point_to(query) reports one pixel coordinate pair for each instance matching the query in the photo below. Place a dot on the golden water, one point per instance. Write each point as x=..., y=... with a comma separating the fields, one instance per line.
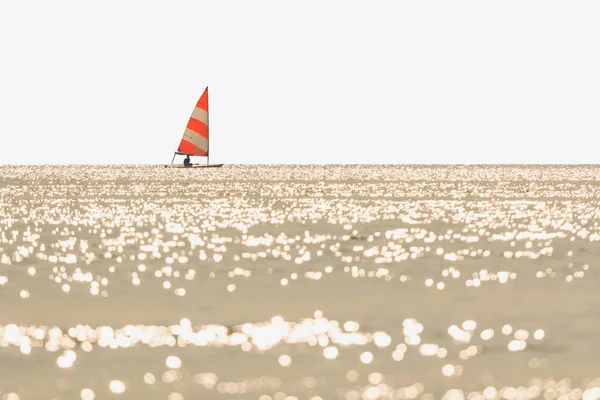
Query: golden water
x=299, y=282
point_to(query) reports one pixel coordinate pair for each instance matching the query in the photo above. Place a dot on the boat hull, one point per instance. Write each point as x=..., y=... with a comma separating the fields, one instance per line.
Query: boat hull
x=194, y=166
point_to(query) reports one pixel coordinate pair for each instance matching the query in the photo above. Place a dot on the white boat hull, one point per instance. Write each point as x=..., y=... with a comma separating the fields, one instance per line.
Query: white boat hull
x=194, y=166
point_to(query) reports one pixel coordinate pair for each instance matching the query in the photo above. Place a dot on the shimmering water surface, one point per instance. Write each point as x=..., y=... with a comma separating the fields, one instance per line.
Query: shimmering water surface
x=300, y=282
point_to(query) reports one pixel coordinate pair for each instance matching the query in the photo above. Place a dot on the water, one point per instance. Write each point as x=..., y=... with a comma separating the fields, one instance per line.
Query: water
x=299, y=282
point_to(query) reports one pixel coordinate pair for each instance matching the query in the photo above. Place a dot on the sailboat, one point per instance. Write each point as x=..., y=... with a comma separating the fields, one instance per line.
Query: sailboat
x=195, y=140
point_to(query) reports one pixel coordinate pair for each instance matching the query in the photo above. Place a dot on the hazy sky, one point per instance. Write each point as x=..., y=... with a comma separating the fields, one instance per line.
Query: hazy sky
x=301, y=81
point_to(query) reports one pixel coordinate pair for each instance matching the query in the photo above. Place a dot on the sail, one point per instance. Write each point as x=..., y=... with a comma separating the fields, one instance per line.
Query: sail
x=195, y=137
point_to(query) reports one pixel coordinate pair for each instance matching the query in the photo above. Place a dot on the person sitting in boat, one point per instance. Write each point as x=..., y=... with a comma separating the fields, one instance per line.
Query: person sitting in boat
x=187, y=162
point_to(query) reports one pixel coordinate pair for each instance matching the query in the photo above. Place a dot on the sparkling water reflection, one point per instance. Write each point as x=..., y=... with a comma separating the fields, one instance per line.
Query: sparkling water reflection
x=299, y=282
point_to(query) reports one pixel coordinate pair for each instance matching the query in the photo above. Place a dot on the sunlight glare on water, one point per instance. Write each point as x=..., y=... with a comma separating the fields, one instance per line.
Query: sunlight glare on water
x=296, y=282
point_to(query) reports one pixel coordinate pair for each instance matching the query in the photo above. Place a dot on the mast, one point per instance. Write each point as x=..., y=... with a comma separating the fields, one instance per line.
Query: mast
x=207, y=128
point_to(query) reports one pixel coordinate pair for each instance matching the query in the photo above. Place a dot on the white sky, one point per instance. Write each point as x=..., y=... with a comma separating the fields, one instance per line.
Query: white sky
x=301, y=82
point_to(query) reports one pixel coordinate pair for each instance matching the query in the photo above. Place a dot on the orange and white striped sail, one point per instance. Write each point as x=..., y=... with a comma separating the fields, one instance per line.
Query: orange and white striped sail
x=195, y=137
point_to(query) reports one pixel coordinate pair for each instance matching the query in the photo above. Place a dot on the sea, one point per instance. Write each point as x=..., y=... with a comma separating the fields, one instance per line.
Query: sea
x=287, y=282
